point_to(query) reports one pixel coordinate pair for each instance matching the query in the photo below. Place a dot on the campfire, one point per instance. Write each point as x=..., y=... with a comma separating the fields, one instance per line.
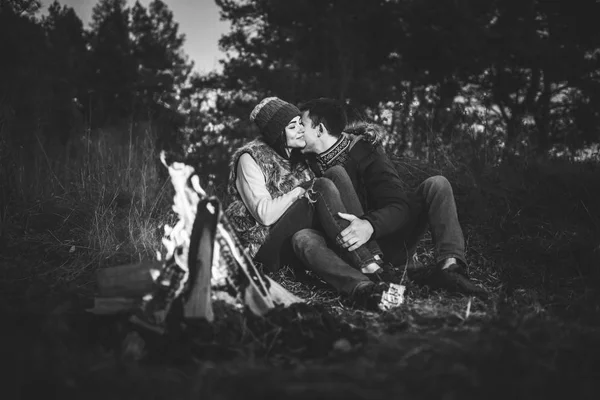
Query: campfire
x=204, y=262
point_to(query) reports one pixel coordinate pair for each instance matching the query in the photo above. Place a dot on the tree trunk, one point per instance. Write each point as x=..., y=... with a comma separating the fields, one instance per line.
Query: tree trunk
x=405, y=112
x=512, y=133
x=200, y=259
x=442, y=117
x=542, y=119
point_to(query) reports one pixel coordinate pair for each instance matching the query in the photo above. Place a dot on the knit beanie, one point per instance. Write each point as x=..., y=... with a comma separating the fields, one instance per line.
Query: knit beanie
x=271, y=116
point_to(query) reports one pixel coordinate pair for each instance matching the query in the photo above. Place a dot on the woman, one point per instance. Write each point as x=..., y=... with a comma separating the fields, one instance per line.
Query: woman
x=274, y=195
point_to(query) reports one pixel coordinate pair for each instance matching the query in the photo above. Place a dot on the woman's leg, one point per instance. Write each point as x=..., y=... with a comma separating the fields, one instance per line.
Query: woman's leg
x=313, y=250
x=339, y=176
x=277, y=249
x=326, y=198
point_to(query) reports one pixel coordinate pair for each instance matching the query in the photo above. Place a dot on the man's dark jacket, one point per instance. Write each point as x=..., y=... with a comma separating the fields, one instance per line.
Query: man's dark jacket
x=392, y=211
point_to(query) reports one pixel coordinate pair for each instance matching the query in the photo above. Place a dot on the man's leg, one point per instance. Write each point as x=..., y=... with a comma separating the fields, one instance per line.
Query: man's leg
x=438, y=212
x=450, y=272
x=438, y=197
x=339, y=176
x=277, y=248
x=327, y=200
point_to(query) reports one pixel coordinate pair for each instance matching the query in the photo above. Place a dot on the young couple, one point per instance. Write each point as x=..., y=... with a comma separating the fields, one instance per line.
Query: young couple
x=310, y=189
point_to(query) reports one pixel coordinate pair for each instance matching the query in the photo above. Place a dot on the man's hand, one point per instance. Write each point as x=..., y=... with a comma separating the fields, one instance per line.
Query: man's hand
x=356, y=234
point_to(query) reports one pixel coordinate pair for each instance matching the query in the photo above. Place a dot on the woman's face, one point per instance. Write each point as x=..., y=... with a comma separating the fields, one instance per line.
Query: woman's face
x=294, y=134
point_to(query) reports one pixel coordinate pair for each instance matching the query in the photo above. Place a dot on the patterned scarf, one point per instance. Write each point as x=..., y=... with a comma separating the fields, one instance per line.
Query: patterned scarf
x=338, y=154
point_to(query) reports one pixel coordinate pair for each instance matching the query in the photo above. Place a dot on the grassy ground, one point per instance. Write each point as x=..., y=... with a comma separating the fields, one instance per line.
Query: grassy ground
x=533, y=235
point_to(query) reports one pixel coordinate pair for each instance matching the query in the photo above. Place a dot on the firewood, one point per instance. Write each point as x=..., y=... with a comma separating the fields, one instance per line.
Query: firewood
x=131, y=280
x=252, y=286
x=280, y=295
x=200, y=260
x=114, y=305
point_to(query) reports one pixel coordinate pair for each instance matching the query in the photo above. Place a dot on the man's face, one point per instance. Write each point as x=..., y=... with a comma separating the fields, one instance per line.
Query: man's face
x=294, y=134
x=310, y=134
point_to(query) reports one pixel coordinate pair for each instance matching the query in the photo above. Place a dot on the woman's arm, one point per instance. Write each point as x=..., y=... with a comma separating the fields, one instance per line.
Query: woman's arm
x=250, y=183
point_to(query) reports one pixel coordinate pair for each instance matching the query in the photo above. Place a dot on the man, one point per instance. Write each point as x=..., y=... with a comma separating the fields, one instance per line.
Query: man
x=394, y=218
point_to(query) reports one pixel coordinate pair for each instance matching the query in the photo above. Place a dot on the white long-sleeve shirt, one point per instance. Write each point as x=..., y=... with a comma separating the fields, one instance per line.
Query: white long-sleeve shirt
x=252, y=187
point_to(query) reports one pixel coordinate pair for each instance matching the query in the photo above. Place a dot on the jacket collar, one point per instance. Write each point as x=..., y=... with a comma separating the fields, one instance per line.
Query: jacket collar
x=327, y=158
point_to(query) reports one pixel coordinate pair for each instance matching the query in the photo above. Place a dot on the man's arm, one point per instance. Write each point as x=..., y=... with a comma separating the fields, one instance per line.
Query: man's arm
x=389, y=203
x=389, y=207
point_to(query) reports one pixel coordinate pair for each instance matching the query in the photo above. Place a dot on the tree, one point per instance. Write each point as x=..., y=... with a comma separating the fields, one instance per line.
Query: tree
x=22, y=88
x=21, y=8
x=65, y=66
x=22, y=83
x=535, y=60
x=112, y=67
x=303, y=48
x=163, y=68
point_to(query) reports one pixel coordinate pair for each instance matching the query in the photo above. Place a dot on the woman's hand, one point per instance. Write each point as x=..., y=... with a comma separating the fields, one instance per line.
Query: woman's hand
x=301, y=192
x=303, y=187
x=307, y=184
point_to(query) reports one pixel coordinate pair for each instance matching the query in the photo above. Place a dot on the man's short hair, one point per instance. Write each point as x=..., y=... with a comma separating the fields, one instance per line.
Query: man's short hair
x=328, y=112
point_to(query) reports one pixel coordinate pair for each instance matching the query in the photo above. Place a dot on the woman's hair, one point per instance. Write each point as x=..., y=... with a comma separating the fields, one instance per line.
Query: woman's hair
x=279, y=144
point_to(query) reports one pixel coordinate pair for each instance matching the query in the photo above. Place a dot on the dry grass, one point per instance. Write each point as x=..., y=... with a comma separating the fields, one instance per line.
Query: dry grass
x=532, y=237
x=102, y=201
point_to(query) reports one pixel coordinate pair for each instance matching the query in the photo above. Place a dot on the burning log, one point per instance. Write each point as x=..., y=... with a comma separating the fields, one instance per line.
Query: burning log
x=204, y=260
x=132, y=280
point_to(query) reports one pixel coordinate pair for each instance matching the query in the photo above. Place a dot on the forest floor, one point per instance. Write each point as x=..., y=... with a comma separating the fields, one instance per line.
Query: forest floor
x=533, y=240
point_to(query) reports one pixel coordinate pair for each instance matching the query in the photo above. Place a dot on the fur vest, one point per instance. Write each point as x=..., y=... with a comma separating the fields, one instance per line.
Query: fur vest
x=281, y=176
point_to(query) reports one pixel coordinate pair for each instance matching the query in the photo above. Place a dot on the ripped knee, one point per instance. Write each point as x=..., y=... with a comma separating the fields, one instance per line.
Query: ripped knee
x=306, y=238
x=323, y=186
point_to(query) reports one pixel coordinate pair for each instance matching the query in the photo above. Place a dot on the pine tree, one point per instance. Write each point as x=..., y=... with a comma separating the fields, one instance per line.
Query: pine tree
x=65, y=67
x=163, y=68
x=112, y=68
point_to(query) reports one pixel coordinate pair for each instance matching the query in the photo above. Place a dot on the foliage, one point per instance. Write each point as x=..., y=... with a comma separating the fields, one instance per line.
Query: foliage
x=163, y=68
x=112, y=65
x=59, y=78
x=523, y=75
x=486, y=81
x=103, y=203
x=61, y=83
